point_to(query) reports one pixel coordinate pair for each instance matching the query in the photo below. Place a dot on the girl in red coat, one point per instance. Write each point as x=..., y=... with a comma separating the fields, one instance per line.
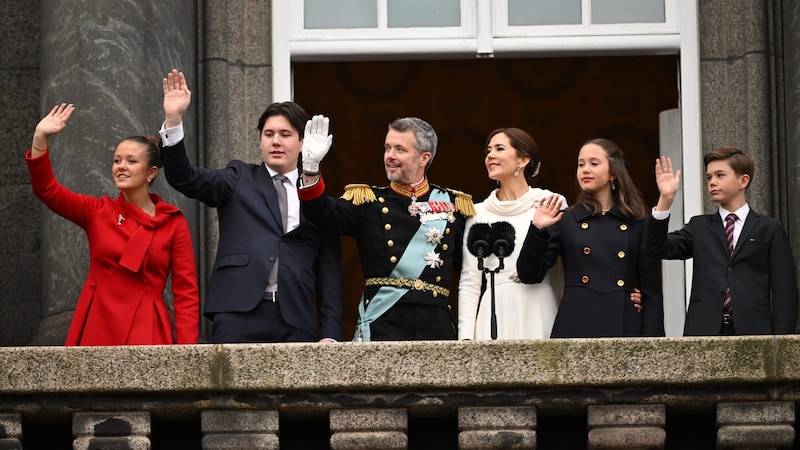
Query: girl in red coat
x=135, y=242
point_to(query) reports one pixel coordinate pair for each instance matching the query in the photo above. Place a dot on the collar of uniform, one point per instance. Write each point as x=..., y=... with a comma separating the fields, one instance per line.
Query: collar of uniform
x=581, y=213
x=408, y=191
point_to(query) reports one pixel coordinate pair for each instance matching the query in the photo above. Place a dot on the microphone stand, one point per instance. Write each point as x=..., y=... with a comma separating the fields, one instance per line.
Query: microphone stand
x=491, y=272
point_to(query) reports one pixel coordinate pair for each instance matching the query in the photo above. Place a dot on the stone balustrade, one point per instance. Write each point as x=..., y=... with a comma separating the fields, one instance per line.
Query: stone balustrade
x=737, y=392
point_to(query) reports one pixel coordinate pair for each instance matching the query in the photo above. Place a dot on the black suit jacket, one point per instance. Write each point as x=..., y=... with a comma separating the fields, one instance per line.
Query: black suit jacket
x=251, y=237
x=760, y=273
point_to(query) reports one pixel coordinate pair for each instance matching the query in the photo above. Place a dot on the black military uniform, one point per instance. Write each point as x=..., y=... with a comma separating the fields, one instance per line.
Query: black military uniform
x=409, y=243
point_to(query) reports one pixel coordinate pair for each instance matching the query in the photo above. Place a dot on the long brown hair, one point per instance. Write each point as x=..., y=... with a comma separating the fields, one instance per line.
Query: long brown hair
x=626, y=195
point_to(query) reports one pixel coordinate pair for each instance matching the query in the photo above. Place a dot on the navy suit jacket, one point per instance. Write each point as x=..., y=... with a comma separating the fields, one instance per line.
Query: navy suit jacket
x=251, y=238
x=760, y=273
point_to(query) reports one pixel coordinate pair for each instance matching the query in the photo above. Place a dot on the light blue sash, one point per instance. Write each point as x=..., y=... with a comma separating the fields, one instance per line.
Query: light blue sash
x=411, y=265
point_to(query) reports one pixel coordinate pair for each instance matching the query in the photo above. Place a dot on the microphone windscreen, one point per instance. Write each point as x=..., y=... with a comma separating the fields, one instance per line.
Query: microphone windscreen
x=503, y=231
x=479, y=239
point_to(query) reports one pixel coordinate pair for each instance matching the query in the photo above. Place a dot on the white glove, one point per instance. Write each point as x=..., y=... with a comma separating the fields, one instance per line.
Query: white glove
x=316, y=143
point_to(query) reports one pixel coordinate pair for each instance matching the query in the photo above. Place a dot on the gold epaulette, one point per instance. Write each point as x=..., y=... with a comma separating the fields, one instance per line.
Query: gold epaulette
x=464, y=203
x=359, y=194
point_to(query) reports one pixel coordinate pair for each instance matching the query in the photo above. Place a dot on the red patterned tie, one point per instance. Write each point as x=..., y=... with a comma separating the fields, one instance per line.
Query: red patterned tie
x=729, y=221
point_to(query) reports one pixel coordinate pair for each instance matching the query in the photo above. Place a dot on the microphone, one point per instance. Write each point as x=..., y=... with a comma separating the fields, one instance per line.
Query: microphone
x=503, y=235
x=478, y=240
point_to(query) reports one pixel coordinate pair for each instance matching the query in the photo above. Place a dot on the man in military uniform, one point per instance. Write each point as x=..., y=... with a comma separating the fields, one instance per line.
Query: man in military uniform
x=409, y=233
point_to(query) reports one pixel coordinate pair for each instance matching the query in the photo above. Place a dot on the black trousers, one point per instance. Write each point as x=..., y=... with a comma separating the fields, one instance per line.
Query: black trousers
x=263, y=324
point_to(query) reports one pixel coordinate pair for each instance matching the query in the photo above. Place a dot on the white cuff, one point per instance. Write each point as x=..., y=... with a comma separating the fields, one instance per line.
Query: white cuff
x=171, y=136
x=660, y=215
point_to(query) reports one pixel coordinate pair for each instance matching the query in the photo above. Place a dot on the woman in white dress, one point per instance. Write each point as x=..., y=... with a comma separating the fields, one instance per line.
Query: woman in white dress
x=524, y=311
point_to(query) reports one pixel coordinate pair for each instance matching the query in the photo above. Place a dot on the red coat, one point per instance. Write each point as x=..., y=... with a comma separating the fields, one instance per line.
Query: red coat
x=130, y=257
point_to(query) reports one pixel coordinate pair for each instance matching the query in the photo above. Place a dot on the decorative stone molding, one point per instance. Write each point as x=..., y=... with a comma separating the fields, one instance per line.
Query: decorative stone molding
x=763, y=425
x=11, y=431
x=124, y=430
x=225, y=429
x=627, y=426
x=378, y=429
x=498, y=427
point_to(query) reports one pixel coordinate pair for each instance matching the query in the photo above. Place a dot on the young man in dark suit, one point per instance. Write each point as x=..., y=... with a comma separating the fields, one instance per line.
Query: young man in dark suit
x=744, y=279
x=271, y=261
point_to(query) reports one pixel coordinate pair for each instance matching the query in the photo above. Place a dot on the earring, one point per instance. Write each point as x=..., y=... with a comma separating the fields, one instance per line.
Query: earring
x=516, y=172
x=536, y=172
x=612, y=185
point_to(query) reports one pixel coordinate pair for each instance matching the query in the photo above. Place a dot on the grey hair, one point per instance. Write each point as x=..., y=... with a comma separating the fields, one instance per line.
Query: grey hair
x=424, y=135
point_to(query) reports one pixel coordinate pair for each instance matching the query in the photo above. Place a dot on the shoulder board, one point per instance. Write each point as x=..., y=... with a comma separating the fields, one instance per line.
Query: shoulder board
x=359, y=194
x=463, y=201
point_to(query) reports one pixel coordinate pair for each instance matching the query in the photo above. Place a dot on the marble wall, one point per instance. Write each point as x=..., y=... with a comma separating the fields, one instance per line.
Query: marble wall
x=20, y=267
x=108, y=62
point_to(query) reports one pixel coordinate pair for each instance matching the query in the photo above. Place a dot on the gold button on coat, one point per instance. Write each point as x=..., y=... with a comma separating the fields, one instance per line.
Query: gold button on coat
x=381, y=199
x=390, y=243
x=623, y=227
x=585, y=279
x=587, y=250
x=387, y=227
x=385, y=210
x=584, y=225
x=438, y=279
x=447, y=231
x=621, y=254
x=393, y=259
x=620, y=283
x=444, y=247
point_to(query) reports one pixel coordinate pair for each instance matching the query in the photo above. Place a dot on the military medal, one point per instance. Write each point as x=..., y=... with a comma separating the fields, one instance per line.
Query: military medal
x=434, y=236
x=120, y=219
x=432, y=260
x=413, y=209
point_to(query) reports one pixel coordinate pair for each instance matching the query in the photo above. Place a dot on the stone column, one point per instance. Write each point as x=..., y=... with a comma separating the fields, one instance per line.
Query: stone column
x=791, y=107
x=123, y=430
x=11, y=431
x=497, y=427
x=736, y=90
x=108, y=61
x=627, y=426
x=377, y=429
x=256, y=430
x=763, y=425
x=236, y=67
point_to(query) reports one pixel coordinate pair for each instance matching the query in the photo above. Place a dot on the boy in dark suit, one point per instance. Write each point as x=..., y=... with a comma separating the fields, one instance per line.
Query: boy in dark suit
x=277, y=276
x=744, y=279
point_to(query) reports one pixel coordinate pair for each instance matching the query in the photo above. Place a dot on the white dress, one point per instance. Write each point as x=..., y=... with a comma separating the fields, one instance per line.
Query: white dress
x=524, y=311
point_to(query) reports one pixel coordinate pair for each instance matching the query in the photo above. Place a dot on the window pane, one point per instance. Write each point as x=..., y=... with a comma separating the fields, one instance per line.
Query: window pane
x=424, y=13
x=628, y=11
x=321, y=14
x=544, y=12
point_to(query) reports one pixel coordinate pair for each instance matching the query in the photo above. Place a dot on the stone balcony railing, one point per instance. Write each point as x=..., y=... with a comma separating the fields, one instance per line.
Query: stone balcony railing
x=737, y=392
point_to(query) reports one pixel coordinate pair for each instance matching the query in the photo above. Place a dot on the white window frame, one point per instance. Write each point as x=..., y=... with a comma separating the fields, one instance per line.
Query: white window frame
x=383, y=31
x=482, y=36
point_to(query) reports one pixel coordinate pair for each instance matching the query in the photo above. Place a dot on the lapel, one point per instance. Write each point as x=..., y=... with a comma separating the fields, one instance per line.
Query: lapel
x=749, y=225
x=719, y=229
x=264, y=183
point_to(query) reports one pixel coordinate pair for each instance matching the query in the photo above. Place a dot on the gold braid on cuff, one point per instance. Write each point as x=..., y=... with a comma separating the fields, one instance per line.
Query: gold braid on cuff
x=411, y=283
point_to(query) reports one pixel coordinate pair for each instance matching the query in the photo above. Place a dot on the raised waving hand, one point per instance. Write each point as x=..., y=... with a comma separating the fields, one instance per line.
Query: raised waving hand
x=50, y=125
x=548, y=212
x=177, y=98
x=668, y=182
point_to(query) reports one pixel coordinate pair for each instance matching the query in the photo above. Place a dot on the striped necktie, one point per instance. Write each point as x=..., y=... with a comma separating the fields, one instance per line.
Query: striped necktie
x=729, y=221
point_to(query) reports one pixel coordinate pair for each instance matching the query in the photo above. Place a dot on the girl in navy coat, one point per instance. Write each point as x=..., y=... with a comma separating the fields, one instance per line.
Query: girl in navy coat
x=600, y=242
